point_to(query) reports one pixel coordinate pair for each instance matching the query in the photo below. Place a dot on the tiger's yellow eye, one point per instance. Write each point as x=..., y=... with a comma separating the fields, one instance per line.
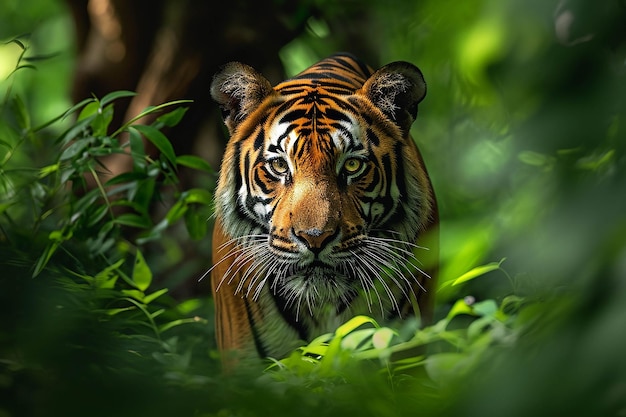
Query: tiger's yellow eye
x=279, y=165
x=352, y=165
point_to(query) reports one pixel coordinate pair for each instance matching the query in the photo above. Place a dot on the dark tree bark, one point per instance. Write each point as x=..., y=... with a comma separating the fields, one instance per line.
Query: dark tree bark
x=168, y=49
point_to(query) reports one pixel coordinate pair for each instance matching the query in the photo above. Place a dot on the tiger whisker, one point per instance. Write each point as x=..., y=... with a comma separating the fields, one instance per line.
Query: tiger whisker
x=391, y=265
x=374, y=270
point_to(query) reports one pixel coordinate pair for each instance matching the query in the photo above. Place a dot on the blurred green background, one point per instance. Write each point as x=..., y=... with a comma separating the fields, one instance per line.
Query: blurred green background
x=523, y=132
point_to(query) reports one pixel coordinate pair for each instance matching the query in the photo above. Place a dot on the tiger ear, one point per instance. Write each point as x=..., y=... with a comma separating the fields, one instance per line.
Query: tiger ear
x=396, y=89
x=238, y=89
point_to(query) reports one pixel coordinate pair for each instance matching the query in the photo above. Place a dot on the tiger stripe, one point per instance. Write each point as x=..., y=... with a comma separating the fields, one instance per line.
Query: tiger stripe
x=323, y=204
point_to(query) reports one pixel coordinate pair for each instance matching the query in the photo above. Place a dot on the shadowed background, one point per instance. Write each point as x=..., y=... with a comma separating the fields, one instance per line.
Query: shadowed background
x=522, y=131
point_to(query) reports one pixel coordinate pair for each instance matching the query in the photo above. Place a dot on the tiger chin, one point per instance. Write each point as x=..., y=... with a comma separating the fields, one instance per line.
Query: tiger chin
x=324, y=209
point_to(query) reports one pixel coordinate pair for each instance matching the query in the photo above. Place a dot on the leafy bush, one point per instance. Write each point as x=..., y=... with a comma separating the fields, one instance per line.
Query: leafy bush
x=528, y=143
x=88, y=320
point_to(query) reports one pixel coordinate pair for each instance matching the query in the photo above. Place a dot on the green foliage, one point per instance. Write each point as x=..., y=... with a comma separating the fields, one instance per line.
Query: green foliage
x=76, y=287
x=523, y=136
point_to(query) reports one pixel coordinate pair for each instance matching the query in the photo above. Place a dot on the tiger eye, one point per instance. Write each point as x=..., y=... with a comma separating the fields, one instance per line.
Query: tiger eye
x=352, y=165
x=279, y=165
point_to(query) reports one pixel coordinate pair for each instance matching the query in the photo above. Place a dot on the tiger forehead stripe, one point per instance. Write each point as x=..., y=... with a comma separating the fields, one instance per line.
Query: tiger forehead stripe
x=343, y=136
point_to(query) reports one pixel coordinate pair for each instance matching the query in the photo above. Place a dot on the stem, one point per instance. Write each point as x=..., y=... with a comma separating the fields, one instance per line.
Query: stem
x=102, y=191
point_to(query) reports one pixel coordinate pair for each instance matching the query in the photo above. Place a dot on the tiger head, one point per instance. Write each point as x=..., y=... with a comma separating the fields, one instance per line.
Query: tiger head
x=322, y=194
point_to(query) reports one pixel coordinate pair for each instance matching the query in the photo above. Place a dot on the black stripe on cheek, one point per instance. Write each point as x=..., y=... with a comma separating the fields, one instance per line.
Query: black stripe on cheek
x=388, y=175
x=259, y=140
x=400, y=173
x=373, y=183
x=372, y=137
x=265, y=189
x=237, y=158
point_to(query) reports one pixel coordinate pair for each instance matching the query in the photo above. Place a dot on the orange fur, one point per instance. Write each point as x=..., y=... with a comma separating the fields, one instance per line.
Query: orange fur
x=317, y=206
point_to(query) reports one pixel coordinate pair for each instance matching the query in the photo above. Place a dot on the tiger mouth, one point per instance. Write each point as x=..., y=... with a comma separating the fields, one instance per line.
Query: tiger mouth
x=316, y=270
x=309, y=287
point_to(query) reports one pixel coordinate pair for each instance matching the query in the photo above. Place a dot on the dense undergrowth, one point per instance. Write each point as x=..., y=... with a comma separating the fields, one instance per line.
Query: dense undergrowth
x=86, y=329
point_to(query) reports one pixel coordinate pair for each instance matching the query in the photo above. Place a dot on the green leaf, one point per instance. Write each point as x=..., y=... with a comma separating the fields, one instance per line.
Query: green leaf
x=22, y=116
x=40, y=57
x=77, y=106
x=382, y=337
x=47, y=170
x=196, y=223
x=187, y=306
x=17, y=42
x=43, y=260
x=136, y=294
x=116, y=95
x=77, y=130
x=97, y=215
x=109, y=271
x=133, y=220
x=486, y=308
x=144, y=193
x=159, y=140
x=194, y=162
x=101, y=122
x=177, y=211
x=172, y=118
x=142, y=275
x=478, y=271
x=353, y=324
x=75, y=149
x=91, y=109
x=149, y=110
x=151, y=297
x=137, y=149
x=175, y=323
x=355, y=339
x=460, y=307
x=198, y=195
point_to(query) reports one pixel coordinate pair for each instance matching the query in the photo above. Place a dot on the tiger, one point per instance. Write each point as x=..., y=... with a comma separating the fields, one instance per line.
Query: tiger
x=324, y=209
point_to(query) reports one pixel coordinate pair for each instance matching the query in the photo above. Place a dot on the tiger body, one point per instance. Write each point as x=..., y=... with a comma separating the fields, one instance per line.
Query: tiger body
x=321, y=203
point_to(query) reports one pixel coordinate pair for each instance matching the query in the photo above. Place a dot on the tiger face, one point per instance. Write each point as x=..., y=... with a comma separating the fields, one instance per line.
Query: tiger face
x=320, y=203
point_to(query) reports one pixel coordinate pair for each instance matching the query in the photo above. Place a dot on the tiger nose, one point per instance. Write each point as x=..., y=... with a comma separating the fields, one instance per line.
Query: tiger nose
x=315, y=239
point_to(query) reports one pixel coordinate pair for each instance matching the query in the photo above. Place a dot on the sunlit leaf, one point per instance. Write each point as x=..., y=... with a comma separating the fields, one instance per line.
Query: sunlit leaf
x=477, y=272
x=382, y=337
x=354, y=324
x=179, y=322
x=151, y=297
x=142, y=275
x=135, y=294
x=459, y=307
x=355, y=339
